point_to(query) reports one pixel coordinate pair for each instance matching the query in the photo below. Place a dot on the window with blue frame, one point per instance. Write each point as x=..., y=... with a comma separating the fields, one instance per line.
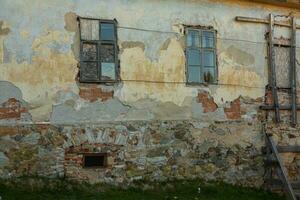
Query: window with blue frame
x=98, y=50
x=201, y=56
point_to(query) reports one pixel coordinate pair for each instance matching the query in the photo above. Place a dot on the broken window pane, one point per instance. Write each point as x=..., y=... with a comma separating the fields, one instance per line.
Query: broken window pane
x=194, y=57
x=108, y=71
x=89, y=71
x=107, y=53
x=194, y=74
x=89, y=51
x=89, y=29
x=193, y=39
x=208, y=40
x=209, y=58
x=98, y=50
x=209, y=74
x=107, y=31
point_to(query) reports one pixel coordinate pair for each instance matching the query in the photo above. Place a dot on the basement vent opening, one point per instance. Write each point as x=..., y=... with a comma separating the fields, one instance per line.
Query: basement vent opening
x=94, y=160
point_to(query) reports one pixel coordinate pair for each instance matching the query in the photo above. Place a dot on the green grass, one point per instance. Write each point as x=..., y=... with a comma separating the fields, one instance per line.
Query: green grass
x=189, y=190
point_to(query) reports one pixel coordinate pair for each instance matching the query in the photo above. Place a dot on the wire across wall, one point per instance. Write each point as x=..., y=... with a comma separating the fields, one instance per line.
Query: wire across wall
x=222, y=40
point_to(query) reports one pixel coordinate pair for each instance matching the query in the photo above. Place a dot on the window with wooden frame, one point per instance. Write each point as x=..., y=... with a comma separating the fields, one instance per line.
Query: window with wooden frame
x=201, y=64
x=98, y=50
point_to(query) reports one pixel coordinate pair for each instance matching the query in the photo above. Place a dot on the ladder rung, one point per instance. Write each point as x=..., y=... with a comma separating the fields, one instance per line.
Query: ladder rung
x=281, y=107
x=295, y=184
x=277, y=183
x=274, y=182
x=288, y=149
x=280, y=88
x=271, y=162
x=282, y=45
x=297, y=194
x=280, y=169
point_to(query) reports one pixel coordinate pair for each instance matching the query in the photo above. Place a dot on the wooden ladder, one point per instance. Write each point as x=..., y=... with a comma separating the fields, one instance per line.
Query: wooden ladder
x=272, y=80
x=272, y=41
x=273, y=160
x=274, y=163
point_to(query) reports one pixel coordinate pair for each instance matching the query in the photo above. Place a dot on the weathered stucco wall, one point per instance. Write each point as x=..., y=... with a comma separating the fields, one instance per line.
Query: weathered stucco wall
x=152, y=124
x=39, y=50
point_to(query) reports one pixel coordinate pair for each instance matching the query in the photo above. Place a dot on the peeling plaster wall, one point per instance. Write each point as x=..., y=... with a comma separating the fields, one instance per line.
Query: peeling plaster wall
x=152, y=125
x=39, y=51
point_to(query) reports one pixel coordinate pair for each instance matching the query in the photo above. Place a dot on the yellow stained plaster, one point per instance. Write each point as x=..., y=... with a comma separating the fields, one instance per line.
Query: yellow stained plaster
x=48, y=72
x=163, y=80
x=237, y=80
x=1, y=49
x=3, y=26
x=25, y=34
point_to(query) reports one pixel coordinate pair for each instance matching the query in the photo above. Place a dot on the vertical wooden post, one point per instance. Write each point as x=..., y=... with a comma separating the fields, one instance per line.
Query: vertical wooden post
x=269, y=170
x=293, y=72
x=272, y=69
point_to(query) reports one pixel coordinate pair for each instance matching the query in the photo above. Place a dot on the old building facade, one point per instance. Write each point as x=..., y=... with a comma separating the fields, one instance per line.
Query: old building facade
x=123, y=90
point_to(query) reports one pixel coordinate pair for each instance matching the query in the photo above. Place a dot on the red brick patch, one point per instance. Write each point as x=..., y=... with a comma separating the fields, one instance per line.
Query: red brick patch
x=234, y=111
x=207, y=102
x=8, y=130
x=268, y=97
x=93, y=93
x=11, y=109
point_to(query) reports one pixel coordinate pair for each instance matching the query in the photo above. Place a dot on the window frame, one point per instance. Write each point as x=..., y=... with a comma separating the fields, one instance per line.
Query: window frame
x=202, y=50
x=99, y=43
x=104, y=155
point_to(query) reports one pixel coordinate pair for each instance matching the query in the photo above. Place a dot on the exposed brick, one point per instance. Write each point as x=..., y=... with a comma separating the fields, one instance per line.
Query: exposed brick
x=207, y=102
x=268, y=97
x=8, y=130
x=11, y=109
x=93, y=93
x=234, y=111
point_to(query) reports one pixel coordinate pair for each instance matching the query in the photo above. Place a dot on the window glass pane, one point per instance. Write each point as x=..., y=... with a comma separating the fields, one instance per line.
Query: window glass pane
x=89, y=29
x=209, y=74
x=209, y=58
x=107, y=53
x=108, y=71
x=193, y=38
x=208, y=40
x=194, y=57
x=107, y=31
x=89, y=51
x=194, y=74
x=89, y=71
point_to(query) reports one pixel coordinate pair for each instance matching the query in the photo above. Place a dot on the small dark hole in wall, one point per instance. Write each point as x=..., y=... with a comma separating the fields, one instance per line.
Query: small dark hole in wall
x=94, y=160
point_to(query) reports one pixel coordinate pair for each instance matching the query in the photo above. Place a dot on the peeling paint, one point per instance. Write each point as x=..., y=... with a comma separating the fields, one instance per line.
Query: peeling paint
x=128, y=45
x=163, y=80
x=71, y=22
x=3, y=30
x=39, y=54
x=50, y=70
x=239, y=56
x=165, y=45
x=25, y=34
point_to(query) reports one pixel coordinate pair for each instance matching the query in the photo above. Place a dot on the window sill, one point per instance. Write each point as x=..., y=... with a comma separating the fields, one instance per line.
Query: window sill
x=200, y=84
x=100, y=82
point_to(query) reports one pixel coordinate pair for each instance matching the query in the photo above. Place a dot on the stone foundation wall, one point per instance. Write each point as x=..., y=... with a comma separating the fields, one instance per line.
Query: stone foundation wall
x=148, y=150
x=284, y=134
